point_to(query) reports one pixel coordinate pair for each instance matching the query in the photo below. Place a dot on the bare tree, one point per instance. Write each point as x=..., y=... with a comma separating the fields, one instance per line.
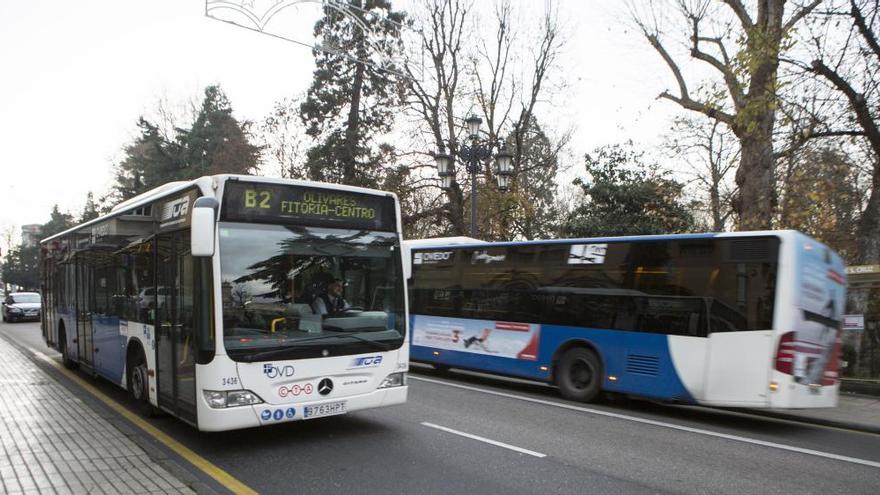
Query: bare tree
x=510, y=81
x=284, y=140
x=502, y=80
x=741, y=46
x=436, y=98
x=711, y=153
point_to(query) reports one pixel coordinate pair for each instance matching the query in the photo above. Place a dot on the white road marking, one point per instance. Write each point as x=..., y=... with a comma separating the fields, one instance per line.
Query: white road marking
x=485, y=440
x=699, y=431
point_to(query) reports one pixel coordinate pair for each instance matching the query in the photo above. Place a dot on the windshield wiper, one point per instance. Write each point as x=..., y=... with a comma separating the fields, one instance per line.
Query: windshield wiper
x=284, y=350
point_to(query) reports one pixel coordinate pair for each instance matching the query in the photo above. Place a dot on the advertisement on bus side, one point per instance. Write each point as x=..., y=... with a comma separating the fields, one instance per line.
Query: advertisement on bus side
x=492, y=338
x=822, y=292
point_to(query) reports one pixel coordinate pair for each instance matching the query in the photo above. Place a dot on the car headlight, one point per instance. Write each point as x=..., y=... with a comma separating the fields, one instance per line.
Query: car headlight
x=394, y=380
x=219, y=399
x=15, y=310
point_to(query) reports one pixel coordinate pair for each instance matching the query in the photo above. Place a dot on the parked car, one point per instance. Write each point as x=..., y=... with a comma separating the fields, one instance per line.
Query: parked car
x=19, y=306
x=146, y=298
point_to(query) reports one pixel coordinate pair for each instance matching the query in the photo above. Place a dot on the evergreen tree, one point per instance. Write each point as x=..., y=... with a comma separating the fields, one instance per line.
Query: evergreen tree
x=21, y=268
x=355, y=92
x=217, y=142
x=625, y=196
x=534, y=188
x=90, y=210
x=22, y=264
x=58, y=222
x=150, y=161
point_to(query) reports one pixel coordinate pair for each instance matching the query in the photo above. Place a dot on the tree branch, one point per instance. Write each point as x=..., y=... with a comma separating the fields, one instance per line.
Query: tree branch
x=860, y=108
x=822, y=134
x=707, y=110
x=800, y=15
x=740, y=11
x=869, y=36
x=733, y=86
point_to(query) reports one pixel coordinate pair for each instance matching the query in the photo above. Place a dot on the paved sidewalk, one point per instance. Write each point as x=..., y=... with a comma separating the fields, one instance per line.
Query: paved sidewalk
x=855, y=412
x=52, y=442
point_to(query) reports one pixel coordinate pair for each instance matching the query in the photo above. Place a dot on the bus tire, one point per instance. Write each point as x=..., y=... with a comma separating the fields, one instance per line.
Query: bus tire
x=440, y=368
x=579, y=375
x=62, y=348
x=138, y=382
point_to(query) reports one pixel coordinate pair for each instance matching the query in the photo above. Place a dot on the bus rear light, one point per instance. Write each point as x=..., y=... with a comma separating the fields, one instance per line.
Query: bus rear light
x=219, y=399
x=785, y=353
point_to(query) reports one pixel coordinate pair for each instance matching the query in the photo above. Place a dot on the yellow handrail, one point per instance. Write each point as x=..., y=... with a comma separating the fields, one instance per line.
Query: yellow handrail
x=274, y=322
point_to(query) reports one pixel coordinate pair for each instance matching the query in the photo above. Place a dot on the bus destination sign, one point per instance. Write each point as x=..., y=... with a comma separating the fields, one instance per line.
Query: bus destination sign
x=303, y=205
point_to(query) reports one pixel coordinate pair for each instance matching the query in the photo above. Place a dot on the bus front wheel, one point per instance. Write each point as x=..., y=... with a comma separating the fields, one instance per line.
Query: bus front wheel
x=579, y=375
x=139, y=383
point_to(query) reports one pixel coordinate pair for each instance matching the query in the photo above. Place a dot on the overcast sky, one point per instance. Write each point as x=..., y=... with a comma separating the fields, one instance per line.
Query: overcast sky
x=76, y=76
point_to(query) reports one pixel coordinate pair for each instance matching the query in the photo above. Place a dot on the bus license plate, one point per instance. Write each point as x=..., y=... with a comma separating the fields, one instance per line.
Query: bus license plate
x=328, y=409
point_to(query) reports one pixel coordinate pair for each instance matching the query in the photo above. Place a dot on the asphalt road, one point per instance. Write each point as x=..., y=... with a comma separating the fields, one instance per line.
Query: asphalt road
x=468, y=433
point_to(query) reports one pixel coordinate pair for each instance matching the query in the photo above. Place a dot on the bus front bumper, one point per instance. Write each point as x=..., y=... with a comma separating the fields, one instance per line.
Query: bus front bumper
x=234, y=418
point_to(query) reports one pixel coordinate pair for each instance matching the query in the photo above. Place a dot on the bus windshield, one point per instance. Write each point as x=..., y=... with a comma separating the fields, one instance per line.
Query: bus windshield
x=297, y=292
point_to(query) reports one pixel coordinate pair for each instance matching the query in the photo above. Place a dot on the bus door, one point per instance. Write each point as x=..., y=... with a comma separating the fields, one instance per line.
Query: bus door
x=84, y=330
x=174, y=324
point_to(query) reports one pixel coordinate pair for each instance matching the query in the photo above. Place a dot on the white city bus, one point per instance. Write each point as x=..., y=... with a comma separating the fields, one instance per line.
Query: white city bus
x=745, y=319
x=208, y=299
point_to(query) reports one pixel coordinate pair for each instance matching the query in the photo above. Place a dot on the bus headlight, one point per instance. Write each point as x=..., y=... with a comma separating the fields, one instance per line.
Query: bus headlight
x=219, y=399
x=394, y=380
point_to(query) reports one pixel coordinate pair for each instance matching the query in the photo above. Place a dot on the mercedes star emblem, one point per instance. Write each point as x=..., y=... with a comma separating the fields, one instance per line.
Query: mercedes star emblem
x=325, y=386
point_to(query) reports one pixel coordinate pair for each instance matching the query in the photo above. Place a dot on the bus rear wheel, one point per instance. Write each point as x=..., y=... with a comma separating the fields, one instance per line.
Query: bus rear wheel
x=62, y=347
x=579, y=375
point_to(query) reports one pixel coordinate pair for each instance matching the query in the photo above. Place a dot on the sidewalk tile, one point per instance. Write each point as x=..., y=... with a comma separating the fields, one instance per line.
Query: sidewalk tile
x=52, y=442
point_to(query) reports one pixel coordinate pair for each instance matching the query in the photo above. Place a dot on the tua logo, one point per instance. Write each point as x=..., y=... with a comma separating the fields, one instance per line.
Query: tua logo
x=272, y=371
x=175, y=209
x=366, y=362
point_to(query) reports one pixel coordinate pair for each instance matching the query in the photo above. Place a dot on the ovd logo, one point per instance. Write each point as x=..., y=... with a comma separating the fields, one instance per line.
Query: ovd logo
x=272, y=371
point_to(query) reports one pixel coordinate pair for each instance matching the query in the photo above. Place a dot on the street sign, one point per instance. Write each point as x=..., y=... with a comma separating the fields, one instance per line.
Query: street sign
x=854, y=323
x=862, y=269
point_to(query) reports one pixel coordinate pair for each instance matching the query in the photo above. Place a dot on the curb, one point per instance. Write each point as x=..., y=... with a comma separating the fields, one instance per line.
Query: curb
x=846, y=425
x=860, y=388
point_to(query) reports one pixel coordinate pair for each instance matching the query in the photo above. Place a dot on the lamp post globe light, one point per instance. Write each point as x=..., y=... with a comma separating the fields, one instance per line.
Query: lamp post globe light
x=472, y=155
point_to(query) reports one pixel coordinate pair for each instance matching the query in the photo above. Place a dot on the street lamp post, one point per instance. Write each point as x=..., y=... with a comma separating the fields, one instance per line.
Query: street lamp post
x=472, y=155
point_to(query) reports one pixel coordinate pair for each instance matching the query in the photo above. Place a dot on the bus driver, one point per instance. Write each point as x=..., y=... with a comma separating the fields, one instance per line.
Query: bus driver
x=331, y=301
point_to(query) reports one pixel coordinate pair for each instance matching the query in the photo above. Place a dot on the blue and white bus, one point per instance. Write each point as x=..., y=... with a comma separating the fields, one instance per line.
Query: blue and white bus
x=748, y=319
x=201, y=299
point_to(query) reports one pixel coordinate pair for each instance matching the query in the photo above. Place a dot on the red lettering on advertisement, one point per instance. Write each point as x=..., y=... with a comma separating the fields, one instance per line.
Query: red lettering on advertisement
x=514, y=327
x=836, y=277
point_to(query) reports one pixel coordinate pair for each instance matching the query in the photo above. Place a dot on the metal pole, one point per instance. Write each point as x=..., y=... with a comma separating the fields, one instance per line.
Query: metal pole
x=473, y=167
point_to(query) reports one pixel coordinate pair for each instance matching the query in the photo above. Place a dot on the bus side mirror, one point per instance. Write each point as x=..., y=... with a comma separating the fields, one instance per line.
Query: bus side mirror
x=203, y=218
